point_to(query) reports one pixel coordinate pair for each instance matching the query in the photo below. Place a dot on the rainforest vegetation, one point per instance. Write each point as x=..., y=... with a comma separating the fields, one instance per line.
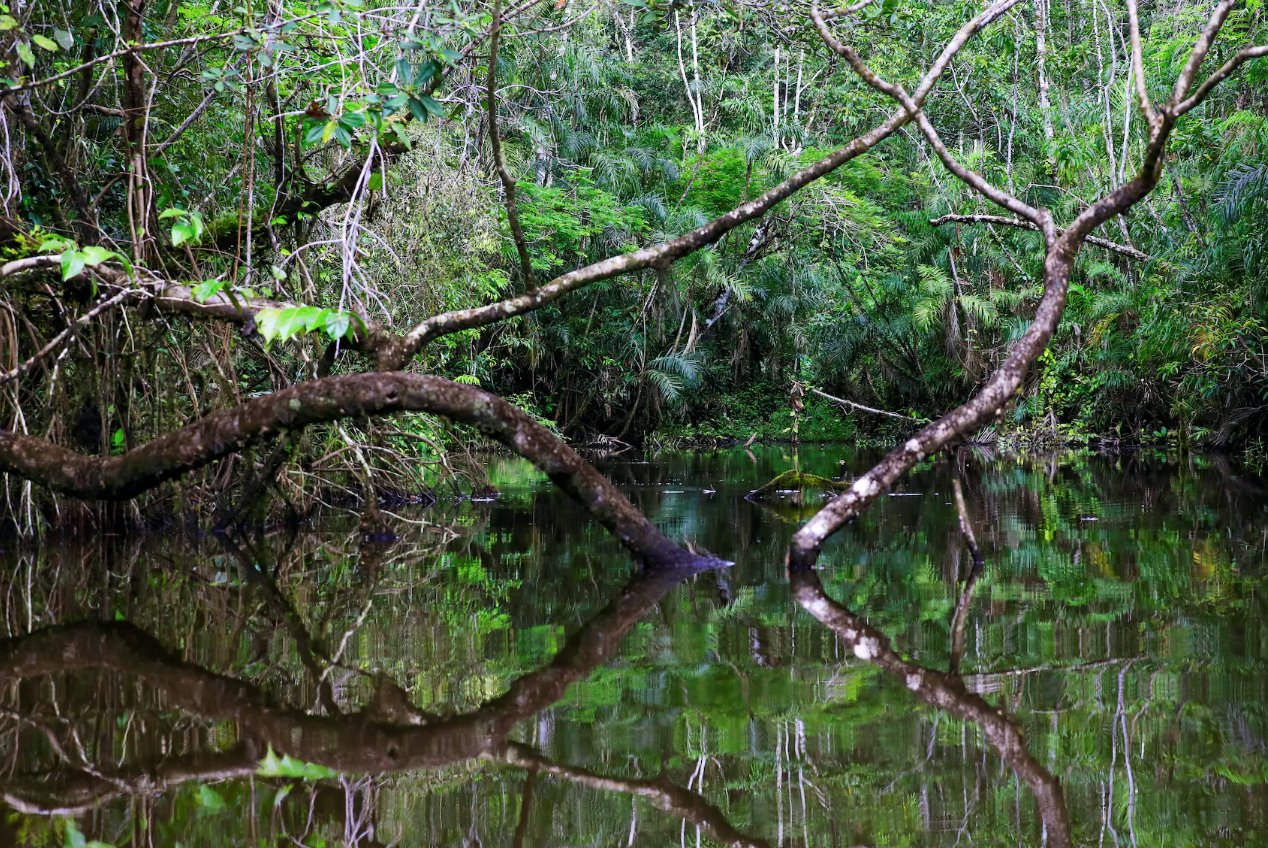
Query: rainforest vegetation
x=634, y=220
x=258, y=257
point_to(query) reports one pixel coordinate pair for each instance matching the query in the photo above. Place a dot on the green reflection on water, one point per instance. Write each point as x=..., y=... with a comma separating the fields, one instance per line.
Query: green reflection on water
x=1118, y=619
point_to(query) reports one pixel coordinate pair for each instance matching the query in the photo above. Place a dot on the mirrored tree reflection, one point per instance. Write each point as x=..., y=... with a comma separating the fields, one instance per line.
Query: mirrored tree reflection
x=501, y=675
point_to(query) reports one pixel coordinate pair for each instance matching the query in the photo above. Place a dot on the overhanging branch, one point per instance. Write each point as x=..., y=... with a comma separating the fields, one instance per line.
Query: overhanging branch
x=332, y=399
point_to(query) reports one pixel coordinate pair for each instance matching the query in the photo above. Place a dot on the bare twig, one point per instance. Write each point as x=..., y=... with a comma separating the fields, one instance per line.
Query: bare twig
x=861, y=408
x=1125, y=250
x=57, y=341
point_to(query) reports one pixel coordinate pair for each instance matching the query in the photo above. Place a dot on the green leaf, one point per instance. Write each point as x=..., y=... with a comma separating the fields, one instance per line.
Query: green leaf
x=314, y=131
x=405, y=71
x=73, y=263
x=285, y=324
x=173, y=212
x=196, y=219
x=182, y=231
x=25, y=54
x=75, y=839
x=64, y=38
x=44, y=41
x=338, y=323
x=55, y=244
x=208, y=289
x=287, y=766
x=95, y=255
x=210, y=799
x=433, y=106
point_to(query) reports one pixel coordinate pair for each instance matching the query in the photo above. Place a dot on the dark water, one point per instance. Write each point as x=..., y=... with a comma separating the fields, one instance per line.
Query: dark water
x=500, y=675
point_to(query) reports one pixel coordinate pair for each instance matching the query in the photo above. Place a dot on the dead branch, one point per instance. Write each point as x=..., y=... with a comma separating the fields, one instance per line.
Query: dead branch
x=849, y=404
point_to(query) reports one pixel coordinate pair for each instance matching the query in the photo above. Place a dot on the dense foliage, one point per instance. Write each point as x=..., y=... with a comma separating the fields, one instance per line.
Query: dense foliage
x=338, y=154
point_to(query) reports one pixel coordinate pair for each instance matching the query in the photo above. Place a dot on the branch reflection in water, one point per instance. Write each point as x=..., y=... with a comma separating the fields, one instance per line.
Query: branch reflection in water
x=142, y=686
x=390, y=736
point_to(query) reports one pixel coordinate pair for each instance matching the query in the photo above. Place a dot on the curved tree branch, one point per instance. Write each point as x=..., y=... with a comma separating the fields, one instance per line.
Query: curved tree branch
x=1002, y=385
x=898, y=94
x=331, y=399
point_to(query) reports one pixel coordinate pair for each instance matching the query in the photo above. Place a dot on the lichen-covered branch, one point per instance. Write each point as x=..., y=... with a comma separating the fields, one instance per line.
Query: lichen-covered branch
x=666, y=253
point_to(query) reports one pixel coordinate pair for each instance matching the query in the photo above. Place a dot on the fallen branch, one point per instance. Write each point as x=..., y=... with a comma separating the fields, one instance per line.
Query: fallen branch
x=1123, y=249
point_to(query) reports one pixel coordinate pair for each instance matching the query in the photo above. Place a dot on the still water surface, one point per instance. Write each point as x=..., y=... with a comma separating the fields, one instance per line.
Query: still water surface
x=500, y=674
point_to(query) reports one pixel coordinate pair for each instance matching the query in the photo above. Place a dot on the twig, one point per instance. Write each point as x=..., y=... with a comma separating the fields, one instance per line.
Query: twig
x=861, y=408
x=56, y=341
x=1125, y=250
x=495, y=149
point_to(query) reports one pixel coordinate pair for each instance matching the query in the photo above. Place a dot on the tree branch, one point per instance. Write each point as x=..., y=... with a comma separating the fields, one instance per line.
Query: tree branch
x=1138, y=63
x=332, y=399
x=861, y=408
x=1006, y=381
x=898, y=94
x=1125, y=250
x=1225, y=71
x=495, y=148
x=56, y=342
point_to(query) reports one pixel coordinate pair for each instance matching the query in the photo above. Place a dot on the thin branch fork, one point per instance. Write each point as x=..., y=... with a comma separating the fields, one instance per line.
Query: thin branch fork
x=1123, y=249
x=849, y=404
x=1039, y=217
x=133, y=49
